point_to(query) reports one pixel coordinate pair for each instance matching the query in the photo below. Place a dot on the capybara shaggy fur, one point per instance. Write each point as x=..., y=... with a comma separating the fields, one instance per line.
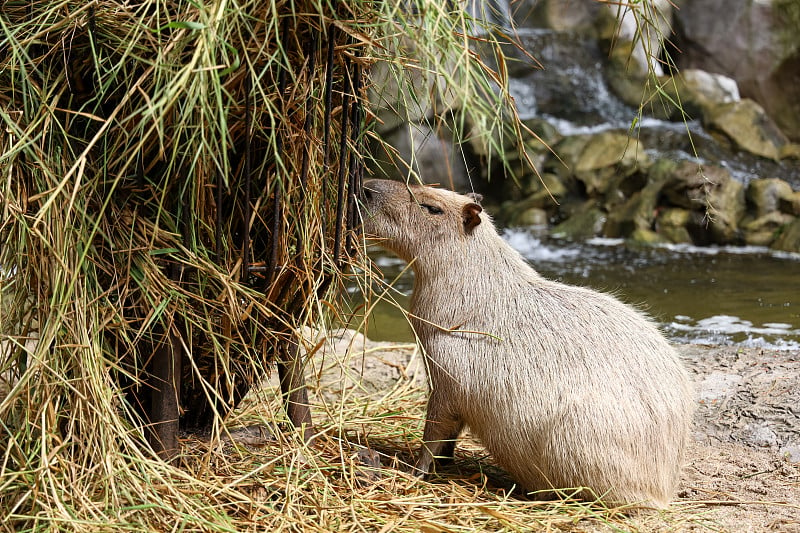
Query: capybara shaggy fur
x=567, y=387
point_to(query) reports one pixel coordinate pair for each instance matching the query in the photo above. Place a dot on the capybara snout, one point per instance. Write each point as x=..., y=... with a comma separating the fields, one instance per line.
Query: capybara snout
x=565, y=386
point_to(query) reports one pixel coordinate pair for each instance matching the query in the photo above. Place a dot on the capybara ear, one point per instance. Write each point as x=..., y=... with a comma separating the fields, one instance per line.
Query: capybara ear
x=470, y=214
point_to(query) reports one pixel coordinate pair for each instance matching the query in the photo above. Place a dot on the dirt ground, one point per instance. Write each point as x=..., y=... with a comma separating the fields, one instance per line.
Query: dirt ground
x=746, y=438
x=742, y=472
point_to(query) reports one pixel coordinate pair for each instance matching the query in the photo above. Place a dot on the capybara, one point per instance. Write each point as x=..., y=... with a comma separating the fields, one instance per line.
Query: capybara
x=566, y=387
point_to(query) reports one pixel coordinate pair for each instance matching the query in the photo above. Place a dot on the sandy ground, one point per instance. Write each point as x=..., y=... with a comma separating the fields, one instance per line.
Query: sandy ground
x=746, y=437
x=743, y=466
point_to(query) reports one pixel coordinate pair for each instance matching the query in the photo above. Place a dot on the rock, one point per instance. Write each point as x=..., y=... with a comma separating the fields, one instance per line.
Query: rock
x=726, y=208
x=760, y=434
x=640, y=28
x=792, y=452
x=605, y=158
x=531, y=217
x=789, y=238
x=676, y=235
x=755, y=43
x=584, y=224
x=790, y=151
x=747, y=125
x=767, y=195
x=709, y=190
x=790, y=204
x=687, y=183
x=763, y=230
x=636, y=88
x=639, y=211
x=539, y=134
x=671, y=224
x=674, y=217
x=646, y=237
x=390, y=91
x=544, y=191
x=701, y=91
x=556, y=15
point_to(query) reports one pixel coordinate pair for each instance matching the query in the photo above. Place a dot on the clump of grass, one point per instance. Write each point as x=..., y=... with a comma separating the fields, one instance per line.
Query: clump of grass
x=179, y=184
x=179, y=191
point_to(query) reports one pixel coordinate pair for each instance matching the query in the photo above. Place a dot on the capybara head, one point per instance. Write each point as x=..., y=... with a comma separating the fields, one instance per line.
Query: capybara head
x=410, y=219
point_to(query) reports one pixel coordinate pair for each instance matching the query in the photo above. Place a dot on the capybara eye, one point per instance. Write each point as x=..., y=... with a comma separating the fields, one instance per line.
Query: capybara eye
x=432, y=209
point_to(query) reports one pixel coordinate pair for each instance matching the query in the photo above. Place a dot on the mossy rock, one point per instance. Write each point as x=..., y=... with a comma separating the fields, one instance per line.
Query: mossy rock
x=646, y=237
x=726, y=208
x=581, y=225
x=748, y=126
x=600, y=161
x=543, y=191
x=709, y=190
x=532, y=216
x=638, y=211
x=607, y=157
x=766, y=195
x=671, y=224
x=676, y=234
x=789, y=238
x=763, y=230
x=673, y=217
x=790, y=204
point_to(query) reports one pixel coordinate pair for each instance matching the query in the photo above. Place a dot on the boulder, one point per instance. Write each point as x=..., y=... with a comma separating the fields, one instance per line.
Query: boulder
x=531, y=217
x=640, y=27
x=726, y=208
x=575, y=15
x=687, y=182
x=544, y=191
x=768, y=195
x=747, y=125
x=636, y=213
x=671, y=224
x=700, y=91
x=790, y=151
x=763, y=230
x=754, y=43
x=791, y=204
x=789, y=238
x=601, y=160
x=582, y=225
x=639, y=211
x=646, y=237
x=708, y=190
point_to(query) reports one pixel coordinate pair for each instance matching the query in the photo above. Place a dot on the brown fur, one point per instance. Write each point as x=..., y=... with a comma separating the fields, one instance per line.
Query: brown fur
x=566, y=387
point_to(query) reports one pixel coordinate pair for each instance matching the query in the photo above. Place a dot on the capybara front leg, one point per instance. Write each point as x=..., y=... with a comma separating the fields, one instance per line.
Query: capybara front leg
x=442, y=427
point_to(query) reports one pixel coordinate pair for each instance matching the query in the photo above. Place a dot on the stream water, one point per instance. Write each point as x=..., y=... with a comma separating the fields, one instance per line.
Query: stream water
x=743, y=296
x=736, y=296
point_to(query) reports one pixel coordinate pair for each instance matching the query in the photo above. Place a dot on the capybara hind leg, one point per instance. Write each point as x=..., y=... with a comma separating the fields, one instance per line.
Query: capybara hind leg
x=447, y=453
x=442, y=428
